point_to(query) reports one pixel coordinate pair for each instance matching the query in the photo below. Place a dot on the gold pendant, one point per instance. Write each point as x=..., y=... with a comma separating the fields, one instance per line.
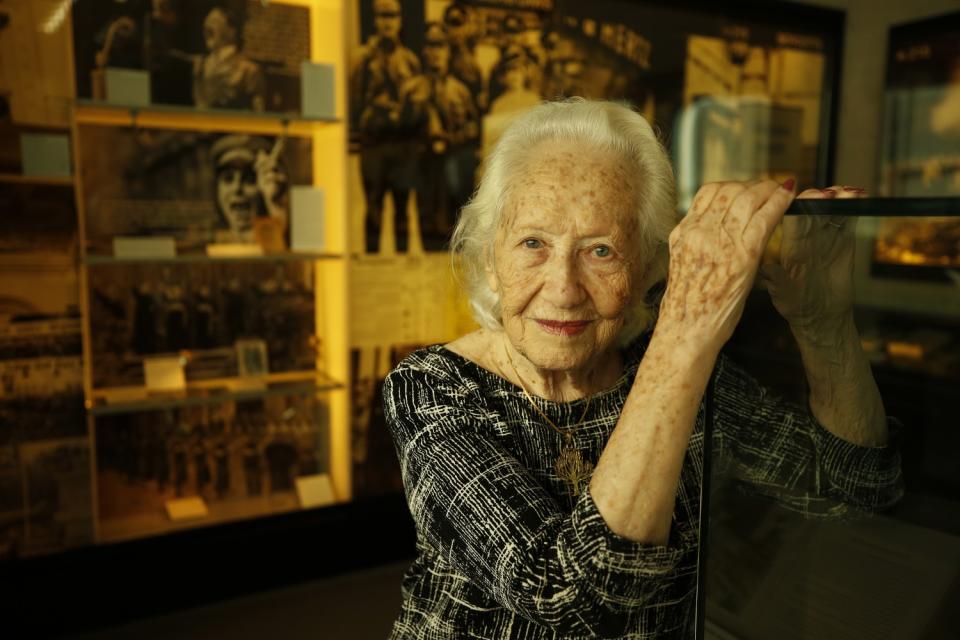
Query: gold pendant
x=572, y=468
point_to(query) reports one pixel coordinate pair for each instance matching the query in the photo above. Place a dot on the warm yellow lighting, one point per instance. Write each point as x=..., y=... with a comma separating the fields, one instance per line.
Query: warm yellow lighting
x=55, y=20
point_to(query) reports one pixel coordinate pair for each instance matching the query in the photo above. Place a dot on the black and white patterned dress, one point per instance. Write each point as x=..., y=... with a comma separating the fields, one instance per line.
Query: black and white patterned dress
x=503, y=550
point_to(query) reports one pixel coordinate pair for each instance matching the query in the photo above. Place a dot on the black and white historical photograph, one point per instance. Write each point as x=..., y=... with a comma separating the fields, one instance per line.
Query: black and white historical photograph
x=137, y=311
x=211, y=54
x=241, y=458
x=433, y=83
x=198, y=187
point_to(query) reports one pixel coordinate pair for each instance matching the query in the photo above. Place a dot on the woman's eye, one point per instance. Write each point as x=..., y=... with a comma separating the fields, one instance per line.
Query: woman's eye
x=602, y=251
x=532, y=243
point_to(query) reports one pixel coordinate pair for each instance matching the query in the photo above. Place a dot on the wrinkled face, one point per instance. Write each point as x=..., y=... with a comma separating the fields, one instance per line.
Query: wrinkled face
x=237, y=195
x=565, y=257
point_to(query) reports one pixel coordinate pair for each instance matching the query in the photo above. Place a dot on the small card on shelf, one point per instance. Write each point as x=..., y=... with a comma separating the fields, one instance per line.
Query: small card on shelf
x=191, y=508
x=144, y=247
x=307, y=218
x=128, y=87
x=315, y=491
x=317, y=90
x=45, y=155
x=164, y=373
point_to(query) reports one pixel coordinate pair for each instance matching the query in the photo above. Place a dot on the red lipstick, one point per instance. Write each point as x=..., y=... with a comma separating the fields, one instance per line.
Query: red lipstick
x=563, y=328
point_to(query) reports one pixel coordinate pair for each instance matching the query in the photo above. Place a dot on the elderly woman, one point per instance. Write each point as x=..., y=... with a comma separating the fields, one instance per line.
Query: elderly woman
x=552, y=458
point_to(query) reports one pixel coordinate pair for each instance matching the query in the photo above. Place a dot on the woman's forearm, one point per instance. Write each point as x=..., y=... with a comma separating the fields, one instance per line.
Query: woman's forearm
x=635, y=481
x=843, y=394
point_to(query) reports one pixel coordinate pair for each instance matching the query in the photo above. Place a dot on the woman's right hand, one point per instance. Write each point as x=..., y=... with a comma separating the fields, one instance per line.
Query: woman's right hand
x=715, y=253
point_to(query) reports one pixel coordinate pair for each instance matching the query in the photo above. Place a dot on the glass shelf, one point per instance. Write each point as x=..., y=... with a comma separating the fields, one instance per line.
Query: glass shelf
x=50, y=181
x=114, y=400
x=92, y=260
x=135, y=109
x=878, y=207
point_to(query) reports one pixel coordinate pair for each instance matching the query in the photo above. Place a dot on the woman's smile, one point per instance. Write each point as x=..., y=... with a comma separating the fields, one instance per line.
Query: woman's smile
x=563, y=328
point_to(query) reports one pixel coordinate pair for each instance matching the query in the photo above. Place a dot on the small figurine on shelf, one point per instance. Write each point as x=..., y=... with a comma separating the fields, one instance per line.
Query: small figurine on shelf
x=221, y=459
x=201, y=465
x=234, y=307
x=144, y=319
x=252, y=467
x=180, y=467
x=174, y=318
x=202, y=316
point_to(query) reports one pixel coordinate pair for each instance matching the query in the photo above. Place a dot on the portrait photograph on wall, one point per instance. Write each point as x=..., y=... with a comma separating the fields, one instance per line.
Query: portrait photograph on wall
x=921, y=146
x=208, y=54
x=433, y=83
x=198, y=187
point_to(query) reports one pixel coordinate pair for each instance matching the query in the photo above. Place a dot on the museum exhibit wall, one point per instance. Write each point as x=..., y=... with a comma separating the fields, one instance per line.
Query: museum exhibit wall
x=205, y=382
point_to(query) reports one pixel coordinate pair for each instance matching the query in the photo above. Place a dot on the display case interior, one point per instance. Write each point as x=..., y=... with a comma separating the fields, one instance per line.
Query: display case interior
x=242, y=458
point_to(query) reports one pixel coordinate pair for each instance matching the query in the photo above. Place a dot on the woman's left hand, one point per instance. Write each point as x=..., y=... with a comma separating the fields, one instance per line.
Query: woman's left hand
x=811, y=281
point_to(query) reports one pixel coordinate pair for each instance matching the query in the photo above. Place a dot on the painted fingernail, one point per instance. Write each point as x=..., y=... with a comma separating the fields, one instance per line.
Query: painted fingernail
x=830, y=193
x=854, y=189
x=789, y=184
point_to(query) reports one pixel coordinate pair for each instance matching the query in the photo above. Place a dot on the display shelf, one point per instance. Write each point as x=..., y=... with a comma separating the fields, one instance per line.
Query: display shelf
x=217, y=113
x=93, y=111
x=47, y=181
x=98, y=260
x=114, y=400
x=156, y=522
x=877, y=207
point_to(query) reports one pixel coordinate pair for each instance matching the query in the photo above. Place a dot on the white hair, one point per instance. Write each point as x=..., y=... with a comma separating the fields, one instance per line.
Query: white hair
x=603, y=126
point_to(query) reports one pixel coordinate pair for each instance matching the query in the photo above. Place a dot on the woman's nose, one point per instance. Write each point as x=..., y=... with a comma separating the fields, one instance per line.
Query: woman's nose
x=562, y=284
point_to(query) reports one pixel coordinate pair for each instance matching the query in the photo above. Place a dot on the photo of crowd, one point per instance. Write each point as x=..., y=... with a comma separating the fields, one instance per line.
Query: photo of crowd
x=433, y=83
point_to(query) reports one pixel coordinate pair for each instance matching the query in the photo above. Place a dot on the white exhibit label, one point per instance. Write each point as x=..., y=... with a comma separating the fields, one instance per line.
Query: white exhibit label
x=190, y=508
x=307, y=205
x=128, y=87
x=315, y=491
x=164, y=374
x=45, y=154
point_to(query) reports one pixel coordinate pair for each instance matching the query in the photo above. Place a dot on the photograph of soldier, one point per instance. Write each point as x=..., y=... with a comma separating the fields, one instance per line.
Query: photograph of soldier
x=379, y=70
x=440, y=108
x=198, y=187
x=509, y=55
x=212, y=54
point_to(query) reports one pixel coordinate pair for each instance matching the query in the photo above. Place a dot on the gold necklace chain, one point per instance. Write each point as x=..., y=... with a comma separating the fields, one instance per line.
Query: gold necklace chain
x=569, y=465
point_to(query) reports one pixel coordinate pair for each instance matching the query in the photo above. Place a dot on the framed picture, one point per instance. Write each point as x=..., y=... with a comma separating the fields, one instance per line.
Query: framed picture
x=921, y=148
x=734, y=93
x=210, y=54
x=251, y=358
x=198, y=187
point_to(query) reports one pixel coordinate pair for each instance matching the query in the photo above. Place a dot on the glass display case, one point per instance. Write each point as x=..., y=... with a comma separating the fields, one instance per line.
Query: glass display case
x=172, y=325
x=769, y=570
